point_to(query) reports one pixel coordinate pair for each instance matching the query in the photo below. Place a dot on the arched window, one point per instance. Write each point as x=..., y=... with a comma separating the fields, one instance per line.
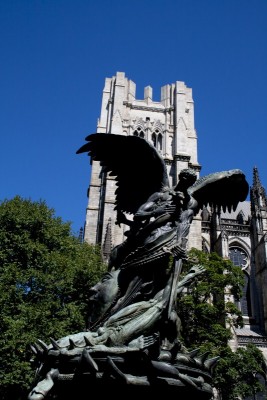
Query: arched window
x=240, y=259
x=157, y=139
x=139, y=132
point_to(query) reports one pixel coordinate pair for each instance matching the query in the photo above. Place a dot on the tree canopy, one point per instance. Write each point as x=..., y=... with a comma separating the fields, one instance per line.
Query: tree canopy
x=45, y=274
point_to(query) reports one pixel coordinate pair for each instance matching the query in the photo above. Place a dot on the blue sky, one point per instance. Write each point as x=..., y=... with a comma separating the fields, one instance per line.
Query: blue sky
x=56, y=54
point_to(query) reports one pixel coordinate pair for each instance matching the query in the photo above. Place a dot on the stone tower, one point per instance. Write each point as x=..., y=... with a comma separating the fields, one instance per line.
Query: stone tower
x=259, y=243
x=168, y=124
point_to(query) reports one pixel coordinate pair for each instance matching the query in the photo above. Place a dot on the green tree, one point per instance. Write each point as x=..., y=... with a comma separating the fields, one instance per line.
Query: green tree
x=207, y=318
x=45, y=274
x=240, y=374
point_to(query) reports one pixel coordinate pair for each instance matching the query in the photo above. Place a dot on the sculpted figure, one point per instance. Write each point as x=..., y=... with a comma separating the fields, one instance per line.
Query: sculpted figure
x=160, y=218
x=132, y=310
x=123, y=332
x=102, y=295
x=132, y=321
x=160, y=215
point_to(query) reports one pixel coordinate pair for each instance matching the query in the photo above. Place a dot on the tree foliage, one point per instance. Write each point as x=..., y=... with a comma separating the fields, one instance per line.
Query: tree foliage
x=204, y=305
x=240, y=374
x=45, y=274
x=208, y=316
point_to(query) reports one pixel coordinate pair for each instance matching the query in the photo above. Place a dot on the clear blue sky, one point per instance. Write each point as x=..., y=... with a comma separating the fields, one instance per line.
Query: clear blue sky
x=56, y=54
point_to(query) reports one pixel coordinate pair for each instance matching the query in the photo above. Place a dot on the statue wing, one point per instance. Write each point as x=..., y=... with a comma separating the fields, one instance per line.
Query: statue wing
x=138, y=168
x=221, y=190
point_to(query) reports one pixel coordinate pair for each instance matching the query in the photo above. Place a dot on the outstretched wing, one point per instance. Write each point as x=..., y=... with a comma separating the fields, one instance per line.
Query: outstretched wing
x=136, y=165
x=221, y=190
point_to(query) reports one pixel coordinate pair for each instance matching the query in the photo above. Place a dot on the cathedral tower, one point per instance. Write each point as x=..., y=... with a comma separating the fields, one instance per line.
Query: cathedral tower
x=168, y=124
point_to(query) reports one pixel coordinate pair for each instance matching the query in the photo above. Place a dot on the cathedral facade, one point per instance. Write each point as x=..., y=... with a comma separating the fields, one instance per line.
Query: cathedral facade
x=169, y=125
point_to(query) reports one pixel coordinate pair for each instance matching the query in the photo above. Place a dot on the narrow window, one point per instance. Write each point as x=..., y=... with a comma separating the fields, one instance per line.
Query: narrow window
x=239, y=258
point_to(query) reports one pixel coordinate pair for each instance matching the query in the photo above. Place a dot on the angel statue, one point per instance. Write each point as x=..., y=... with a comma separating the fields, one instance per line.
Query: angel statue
x=133, y=332
x=159, y=215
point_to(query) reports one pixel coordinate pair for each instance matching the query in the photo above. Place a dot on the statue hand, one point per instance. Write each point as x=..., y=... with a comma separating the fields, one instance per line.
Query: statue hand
x=142, y=342
x=179, y=195
x=197, y=269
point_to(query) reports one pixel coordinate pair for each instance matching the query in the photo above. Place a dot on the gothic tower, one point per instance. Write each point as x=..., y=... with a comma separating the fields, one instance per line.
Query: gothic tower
x=259, y=242
x=168, y=124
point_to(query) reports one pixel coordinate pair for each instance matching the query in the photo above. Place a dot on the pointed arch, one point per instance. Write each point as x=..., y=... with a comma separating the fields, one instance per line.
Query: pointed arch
x=139, y=132
x=240, y=258
x=157, y=135
x=240, y=218
x=139, y=129
x=239, y=242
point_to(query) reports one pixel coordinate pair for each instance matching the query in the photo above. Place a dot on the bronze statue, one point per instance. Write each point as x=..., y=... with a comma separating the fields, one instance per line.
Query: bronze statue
x=133, y=335
x=120, y=334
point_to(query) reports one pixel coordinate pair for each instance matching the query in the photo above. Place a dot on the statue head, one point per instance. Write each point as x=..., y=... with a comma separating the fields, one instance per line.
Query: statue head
x=187, y=177
x=102, y=295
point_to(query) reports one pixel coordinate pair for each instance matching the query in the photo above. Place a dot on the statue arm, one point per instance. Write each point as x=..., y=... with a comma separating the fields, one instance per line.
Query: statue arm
x=194, y=271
